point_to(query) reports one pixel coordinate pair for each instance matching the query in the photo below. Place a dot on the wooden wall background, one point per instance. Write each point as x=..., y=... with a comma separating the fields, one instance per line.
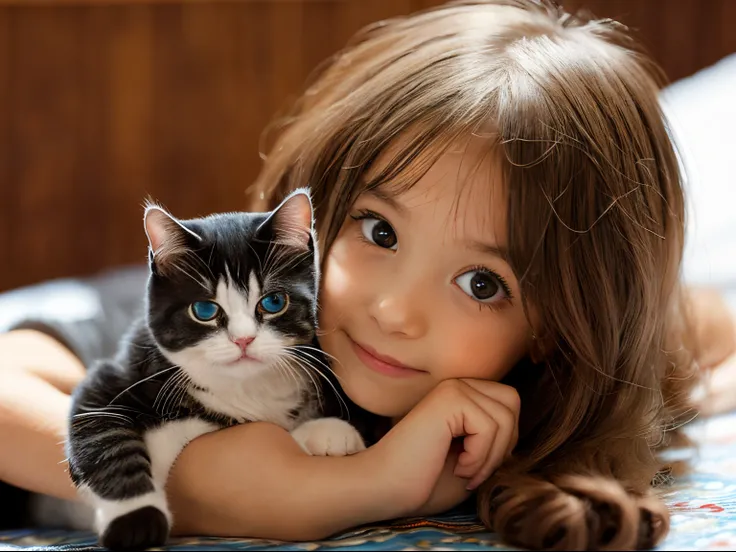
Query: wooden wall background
x=105, y=102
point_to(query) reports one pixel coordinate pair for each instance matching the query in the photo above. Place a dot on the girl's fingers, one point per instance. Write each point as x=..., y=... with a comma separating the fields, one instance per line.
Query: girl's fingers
x=504, y=394
x=479, y=432
x=476, y=450
x=504, y=438
x=486, y=415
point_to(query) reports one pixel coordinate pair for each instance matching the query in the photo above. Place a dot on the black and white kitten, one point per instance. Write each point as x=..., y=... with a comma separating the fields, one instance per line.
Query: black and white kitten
x=227, y=339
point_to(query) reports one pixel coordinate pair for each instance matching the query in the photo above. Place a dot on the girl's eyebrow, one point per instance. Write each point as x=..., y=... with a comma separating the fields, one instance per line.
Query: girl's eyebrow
x=380, y=195
x=490, y=249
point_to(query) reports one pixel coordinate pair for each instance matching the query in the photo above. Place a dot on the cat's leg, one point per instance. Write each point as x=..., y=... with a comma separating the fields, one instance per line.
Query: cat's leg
x=131, y=507
x=111, y=467
x=328, y=437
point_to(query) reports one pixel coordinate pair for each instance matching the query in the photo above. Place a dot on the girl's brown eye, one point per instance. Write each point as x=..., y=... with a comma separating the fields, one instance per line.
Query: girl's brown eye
x=482, y=285
x=379, y=232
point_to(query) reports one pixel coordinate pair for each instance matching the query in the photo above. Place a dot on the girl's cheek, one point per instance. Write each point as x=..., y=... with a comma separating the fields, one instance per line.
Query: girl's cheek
x=486, y=352
x=339, y=273
x=344, y=279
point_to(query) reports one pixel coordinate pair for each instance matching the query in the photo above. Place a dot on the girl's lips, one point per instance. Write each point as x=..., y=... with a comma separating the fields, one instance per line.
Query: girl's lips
x=382, y=364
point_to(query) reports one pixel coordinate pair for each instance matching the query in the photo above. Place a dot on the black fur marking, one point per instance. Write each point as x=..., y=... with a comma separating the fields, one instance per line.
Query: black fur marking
x=143, y=528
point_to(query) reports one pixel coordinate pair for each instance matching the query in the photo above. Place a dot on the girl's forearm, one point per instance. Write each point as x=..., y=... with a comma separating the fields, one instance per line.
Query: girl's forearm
x=32, y=435
x=254, y=481
x=36, y=374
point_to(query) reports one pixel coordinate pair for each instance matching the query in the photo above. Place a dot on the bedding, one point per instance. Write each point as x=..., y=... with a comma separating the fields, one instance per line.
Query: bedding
x=703, y=506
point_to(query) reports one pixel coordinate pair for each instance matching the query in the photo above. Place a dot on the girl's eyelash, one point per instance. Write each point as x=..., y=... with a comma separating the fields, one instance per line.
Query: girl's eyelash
x=503, y=283
x=363, y=214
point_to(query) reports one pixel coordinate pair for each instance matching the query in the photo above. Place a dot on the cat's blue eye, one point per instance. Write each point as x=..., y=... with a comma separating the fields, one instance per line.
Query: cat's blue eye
x=204, y=311
x=274, y=303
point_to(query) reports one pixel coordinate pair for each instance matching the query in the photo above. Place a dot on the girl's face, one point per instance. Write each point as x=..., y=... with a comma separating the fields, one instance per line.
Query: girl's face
x=415, y=288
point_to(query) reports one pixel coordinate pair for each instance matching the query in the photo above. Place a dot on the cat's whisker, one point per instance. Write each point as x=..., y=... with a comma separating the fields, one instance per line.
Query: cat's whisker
x=273, y=252
x=307, y=366
x=289, y=371
x=180, y=269
x=207, y=265
x=144, y=347
x=292, y=262
x=181, y=393
x=316, y=350
x=315, y=383
x=326, y=366
x=162, y=392
x=255, y=255
x=209, y=261
x=167, y=390
x=300, y=349
x=108, y=407
x=294, y=373
x=277, y=254
x=183, y=263
x=142, y=381
x=293, y=369
x=182, y=387
x=283, y=373
x=84, y=417
x=283, y=262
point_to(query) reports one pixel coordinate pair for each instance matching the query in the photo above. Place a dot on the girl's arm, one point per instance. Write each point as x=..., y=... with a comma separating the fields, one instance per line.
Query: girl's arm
x=251, y=480
x=254, y=480
x=714, y=325
x=36, y=376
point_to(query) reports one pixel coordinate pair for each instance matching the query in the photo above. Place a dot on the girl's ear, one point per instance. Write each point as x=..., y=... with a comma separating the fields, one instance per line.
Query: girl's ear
x=292, y=221
x=167, y=237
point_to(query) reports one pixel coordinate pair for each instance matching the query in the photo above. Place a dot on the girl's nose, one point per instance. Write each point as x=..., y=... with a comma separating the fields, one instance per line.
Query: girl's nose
x=400, y=315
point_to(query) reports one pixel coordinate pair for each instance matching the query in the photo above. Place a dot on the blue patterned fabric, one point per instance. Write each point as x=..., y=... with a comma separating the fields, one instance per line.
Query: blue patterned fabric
x=703, y=507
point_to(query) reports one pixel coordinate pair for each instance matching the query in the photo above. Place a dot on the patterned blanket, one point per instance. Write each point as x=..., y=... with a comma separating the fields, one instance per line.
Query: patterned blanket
x=703, y=507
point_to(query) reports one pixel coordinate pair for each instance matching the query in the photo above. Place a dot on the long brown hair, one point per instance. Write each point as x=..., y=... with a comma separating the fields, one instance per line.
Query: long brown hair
x=595, y=227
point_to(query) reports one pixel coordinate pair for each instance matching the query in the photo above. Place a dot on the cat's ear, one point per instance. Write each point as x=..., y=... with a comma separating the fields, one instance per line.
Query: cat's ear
x=167, y=237
x=291, y=222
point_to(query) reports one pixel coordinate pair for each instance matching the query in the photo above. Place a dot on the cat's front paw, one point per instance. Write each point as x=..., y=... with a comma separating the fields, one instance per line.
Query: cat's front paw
x=328, y=437
x=143, y=528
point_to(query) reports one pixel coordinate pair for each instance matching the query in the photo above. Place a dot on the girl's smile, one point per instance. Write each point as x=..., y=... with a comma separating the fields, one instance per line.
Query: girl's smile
x=383, y=364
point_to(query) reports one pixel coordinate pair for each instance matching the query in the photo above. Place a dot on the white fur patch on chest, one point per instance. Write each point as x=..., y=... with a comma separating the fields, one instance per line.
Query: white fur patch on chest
x=166, y=442
x=267, y=397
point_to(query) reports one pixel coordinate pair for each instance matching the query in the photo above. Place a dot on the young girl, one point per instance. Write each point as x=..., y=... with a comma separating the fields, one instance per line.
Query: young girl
x=501, y=221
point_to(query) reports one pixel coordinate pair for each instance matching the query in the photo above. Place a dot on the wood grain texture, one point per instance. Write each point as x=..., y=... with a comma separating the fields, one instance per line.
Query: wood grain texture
x=7, y=192
x=106, y=102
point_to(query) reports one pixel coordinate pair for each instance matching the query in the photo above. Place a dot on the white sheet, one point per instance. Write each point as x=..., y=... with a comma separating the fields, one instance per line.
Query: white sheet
x=702, y=114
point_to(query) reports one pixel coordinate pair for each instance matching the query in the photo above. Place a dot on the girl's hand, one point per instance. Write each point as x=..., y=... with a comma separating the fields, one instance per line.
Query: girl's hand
x=715, y=329
x=484, y=415
x=449, y=490
x=714, y=326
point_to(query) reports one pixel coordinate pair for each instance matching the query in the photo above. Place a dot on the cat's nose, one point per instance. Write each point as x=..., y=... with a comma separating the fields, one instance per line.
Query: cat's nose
x=243, y=342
